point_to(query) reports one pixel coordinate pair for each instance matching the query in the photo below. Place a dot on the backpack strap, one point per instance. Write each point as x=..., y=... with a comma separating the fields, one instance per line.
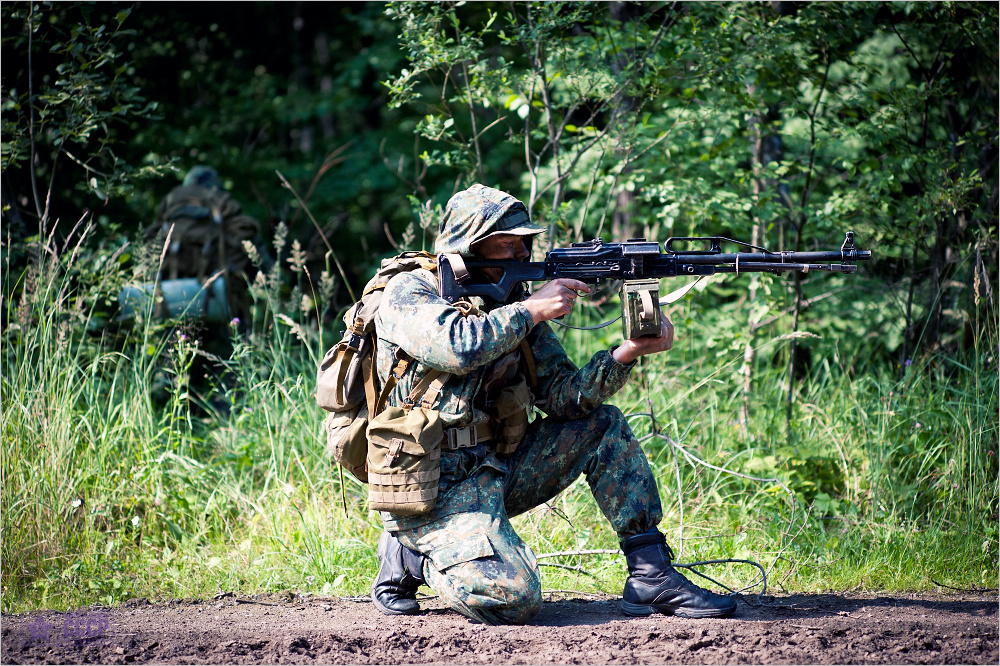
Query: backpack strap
x=353, y=348
x=458, y=266
x=371, y=395
x=529, y=362
x=403, y=361
x=429, y=387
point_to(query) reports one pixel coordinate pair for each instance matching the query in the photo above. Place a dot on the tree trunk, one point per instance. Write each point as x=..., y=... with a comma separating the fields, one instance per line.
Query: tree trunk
x=756, y=136
x=766, y=148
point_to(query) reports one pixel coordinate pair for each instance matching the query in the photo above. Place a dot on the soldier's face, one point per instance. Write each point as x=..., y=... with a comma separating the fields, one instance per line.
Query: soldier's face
x=500, y=247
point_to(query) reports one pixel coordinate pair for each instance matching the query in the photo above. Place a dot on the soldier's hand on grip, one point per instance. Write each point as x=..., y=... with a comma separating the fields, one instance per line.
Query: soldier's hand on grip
x=555, y=299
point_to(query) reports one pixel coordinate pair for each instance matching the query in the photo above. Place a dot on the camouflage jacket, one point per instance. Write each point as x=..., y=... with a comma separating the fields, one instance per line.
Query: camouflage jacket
x=435, y=333
x=413, y=316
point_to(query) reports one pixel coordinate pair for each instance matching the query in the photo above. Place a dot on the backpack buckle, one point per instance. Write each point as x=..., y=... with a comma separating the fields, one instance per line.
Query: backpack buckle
x=357, y=331
x=461, y=438
x=355, y=341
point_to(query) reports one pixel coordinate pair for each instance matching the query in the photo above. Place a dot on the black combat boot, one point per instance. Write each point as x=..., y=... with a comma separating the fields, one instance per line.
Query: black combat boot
x=400, y=573
x=654, y=584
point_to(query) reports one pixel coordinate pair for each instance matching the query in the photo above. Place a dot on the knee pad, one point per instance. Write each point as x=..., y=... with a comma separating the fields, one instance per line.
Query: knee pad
x=520, y=608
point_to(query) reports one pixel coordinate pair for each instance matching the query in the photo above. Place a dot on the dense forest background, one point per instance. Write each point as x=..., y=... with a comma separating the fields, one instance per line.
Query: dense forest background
x=839, y=429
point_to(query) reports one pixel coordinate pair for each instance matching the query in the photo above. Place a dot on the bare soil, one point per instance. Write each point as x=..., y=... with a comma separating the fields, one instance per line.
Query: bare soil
x=890, y=628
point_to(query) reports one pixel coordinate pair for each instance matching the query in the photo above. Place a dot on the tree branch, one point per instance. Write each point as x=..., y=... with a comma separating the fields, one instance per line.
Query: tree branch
x=31, y=118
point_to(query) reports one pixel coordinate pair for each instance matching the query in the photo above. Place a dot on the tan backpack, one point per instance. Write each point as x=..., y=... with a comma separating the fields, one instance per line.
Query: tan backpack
x=397, y=450
x=347, y=386
x=207, y=230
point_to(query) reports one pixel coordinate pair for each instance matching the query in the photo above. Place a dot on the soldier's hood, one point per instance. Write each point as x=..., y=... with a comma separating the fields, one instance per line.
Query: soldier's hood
x=475, y=213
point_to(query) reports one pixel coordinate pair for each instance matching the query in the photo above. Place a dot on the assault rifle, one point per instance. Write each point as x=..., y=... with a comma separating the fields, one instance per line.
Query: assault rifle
x=639, y=263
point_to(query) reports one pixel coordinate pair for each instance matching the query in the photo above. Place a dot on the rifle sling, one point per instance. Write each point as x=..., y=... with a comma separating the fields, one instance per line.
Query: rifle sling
x=529, y=362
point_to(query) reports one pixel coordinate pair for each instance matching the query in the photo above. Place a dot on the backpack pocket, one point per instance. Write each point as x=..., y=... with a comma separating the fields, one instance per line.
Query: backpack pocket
x=404, y=460
x=340, y=377
x=346, y=441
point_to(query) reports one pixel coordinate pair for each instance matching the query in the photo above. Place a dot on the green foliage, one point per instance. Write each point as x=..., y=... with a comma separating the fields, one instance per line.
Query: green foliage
x=729, y=119
x=75, y=112
x=528, y=85
x=839, y=429
x=137, y=496
x=309, y=108
x=890, y=482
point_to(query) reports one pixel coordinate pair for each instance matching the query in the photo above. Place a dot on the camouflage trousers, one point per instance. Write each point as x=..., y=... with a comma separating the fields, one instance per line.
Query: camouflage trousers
x=475, y=560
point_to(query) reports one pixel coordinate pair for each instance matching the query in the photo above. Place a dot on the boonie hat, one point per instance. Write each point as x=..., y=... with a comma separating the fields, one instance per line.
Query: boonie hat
x=515, y=222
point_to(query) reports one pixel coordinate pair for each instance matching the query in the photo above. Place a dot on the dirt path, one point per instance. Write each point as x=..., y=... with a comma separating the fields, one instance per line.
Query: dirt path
x=795, y=629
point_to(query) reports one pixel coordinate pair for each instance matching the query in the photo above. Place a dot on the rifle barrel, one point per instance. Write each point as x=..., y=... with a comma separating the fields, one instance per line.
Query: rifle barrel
x=761, y=267
x=717, y=258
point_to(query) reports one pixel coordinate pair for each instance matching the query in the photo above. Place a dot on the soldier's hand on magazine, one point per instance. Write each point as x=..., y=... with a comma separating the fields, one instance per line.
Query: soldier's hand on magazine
x=636, y=347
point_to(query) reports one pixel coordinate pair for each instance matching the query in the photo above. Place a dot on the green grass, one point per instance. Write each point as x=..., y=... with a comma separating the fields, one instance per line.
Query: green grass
x=122, y=478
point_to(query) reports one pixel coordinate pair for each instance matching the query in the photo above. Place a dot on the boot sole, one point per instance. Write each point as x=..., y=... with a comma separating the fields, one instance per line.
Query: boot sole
x=644, y=610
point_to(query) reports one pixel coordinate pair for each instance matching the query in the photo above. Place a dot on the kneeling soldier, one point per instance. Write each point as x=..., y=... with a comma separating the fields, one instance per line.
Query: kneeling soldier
x=501, y=357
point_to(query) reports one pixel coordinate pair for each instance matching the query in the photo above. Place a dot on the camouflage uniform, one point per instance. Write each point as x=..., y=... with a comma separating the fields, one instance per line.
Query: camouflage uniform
x=195, y=209
x=475, y=560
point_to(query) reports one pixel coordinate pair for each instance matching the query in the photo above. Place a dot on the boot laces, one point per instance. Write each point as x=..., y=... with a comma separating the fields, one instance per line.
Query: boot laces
x=685, y=582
